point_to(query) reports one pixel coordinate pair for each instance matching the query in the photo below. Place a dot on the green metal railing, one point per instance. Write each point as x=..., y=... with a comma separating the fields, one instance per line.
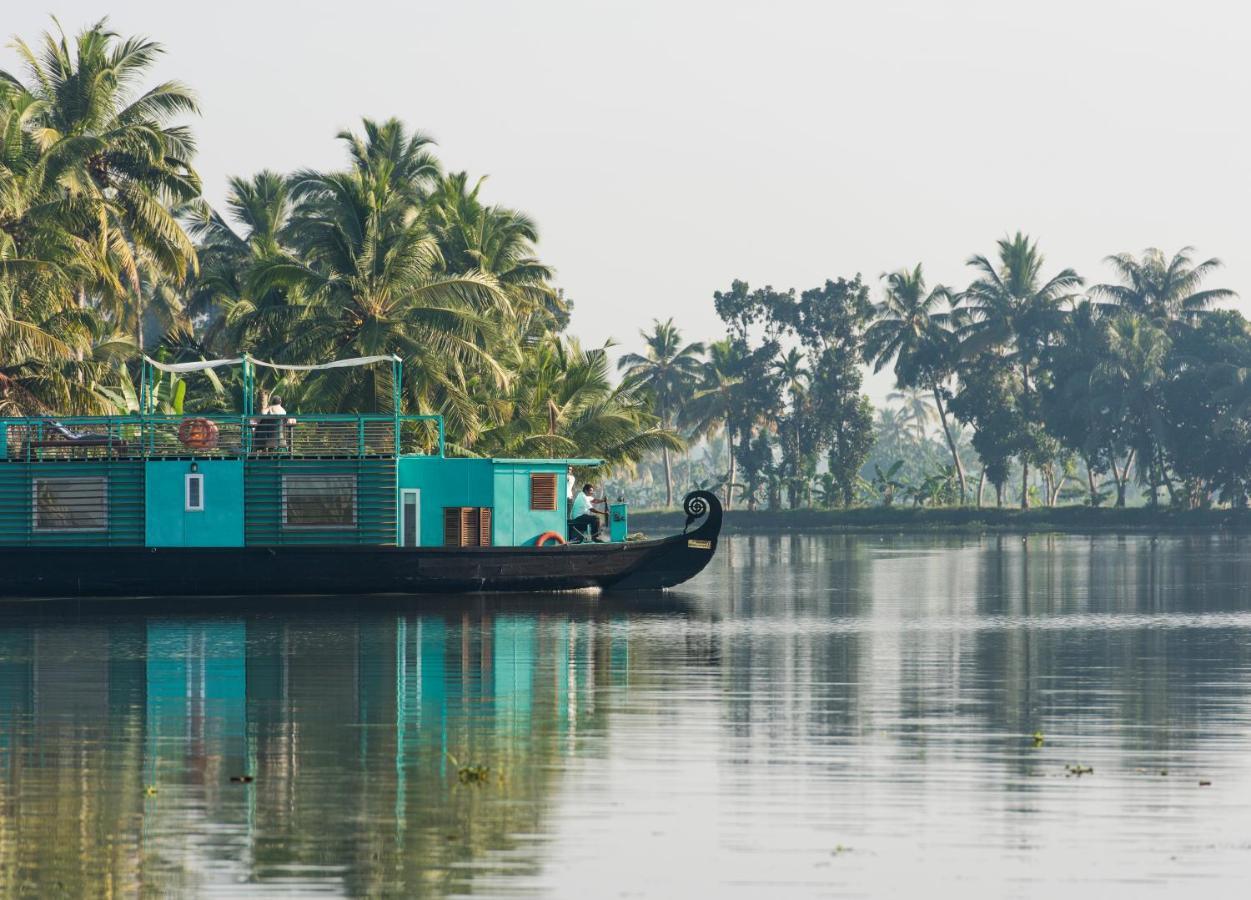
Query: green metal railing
x=293, y=436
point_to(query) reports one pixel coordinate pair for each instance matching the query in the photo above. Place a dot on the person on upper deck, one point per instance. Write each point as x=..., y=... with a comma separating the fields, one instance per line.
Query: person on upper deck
x=271, y=434
x=274, y=407
x=585, y=516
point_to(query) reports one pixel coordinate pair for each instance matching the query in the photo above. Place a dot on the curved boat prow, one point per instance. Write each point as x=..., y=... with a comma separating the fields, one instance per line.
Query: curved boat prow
x=676, y=559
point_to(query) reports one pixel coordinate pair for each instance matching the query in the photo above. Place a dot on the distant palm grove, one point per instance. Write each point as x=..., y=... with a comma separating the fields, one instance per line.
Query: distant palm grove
x=1029, y=385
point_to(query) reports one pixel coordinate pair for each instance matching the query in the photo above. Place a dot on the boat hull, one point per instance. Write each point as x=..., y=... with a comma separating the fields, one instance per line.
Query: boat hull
x=45, y=572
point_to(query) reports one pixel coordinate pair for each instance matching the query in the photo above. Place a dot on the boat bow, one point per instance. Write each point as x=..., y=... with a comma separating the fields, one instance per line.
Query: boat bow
x=673, y=560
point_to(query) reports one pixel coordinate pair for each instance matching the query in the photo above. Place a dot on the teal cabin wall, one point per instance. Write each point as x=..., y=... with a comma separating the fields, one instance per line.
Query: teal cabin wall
x=219, y=524
x=373, y=514
x=446, y=482
x=504, y=487
x=516, y=524
x=123, y=521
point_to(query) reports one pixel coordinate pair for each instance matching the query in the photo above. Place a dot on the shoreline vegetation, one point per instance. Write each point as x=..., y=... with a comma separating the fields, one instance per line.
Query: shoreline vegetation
x=957, y=520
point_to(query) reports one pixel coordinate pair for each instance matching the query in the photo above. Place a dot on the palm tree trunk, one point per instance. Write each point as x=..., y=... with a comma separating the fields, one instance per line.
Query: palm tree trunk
x=1149, y=469
x=1090, y=482
x=1168, y=482
x=999, y=495
x=951, y=444
x=729, y=448
x=1024, y=482
x=981, y=483
x=664, y=452
x=1122, y=478
x=1056, y=488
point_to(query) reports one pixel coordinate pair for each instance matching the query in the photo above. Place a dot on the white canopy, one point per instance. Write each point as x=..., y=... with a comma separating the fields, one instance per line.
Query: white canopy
x=217, y=363
x=337, y=364
x=192, y=366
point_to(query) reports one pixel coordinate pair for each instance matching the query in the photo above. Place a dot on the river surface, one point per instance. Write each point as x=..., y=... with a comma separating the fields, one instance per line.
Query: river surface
x=813, y=716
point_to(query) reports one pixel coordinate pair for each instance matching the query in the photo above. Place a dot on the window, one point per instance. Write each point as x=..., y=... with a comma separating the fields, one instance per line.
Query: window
x=410, y=518
x=194, y=493
x=466, y=526
x=319, y=501
x=70, y=504
x=543, y=490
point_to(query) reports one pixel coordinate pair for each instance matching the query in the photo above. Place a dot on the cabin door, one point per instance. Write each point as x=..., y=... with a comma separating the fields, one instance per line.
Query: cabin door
x=410, y=518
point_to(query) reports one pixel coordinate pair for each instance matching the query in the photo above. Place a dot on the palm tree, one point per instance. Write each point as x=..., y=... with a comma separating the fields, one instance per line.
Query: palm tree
x=1128, y=381
x=791, y=368
x=715, y=401
x=908, y=329
x=256, y=227
x=669, y=372
x=369, y=275
x=918, y=410
x=890, y=428
x=499, y=241
x=112, y=163
x=1010, y=309
x=1161, y=289
x=563, y=402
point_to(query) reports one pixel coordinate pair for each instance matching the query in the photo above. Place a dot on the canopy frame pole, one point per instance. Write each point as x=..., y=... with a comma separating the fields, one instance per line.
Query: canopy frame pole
x=147, y=403
x=397, y=398
x=248, y=385
x=397, y=384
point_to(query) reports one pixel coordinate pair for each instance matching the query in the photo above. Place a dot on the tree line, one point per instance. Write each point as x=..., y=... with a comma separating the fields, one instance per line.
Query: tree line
x=1078, y=390
x=108, y=250
x=1038, y=384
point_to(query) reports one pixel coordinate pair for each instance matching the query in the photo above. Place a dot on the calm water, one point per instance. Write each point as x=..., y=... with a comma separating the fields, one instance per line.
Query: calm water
x=813, y=716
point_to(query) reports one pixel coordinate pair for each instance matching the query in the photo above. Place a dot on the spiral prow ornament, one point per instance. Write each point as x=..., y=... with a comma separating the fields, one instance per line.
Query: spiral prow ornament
x=702, y=505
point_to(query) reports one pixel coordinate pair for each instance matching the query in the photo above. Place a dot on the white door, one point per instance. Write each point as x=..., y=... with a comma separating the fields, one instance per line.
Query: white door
x=410, y=518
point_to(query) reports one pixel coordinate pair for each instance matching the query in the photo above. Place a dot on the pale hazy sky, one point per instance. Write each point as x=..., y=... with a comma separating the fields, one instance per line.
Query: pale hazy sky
x=666, y=148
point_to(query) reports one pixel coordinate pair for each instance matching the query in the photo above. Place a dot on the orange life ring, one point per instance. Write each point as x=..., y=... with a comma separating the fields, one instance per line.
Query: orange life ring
x=198, y=434
x=549, y=536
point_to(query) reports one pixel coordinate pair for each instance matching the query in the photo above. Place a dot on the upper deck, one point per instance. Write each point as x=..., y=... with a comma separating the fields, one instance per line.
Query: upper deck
x=219, y=436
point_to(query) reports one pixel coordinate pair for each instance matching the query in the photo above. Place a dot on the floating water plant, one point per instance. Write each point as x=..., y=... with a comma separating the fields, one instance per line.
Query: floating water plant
x=242, y=779
x=1078, y=769
x=1039, y=740
x=469, y=774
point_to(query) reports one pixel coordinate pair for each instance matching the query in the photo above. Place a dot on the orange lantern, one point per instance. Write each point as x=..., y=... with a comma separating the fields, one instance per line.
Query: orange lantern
x=198, y=434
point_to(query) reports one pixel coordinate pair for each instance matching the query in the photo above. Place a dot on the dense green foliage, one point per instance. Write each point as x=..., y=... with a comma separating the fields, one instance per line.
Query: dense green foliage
x=108, y=249
x=1025, y=384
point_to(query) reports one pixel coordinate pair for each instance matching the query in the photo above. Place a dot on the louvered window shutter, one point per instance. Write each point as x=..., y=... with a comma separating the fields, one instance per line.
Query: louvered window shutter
x=467, y=526
x=543, y=490
x=453, y=532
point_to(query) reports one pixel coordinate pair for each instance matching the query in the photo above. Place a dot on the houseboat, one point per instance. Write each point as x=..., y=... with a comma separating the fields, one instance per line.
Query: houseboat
x=161, y=504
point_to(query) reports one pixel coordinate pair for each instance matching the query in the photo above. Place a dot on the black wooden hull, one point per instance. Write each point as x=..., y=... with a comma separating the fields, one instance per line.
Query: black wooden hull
x=41, y=572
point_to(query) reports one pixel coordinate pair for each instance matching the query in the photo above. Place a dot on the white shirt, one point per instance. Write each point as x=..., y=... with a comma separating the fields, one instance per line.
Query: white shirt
x=581, y=505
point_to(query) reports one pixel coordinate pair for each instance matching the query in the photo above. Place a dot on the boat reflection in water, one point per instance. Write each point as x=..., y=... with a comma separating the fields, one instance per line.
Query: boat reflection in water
x=119, y=737
x=831, y=714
